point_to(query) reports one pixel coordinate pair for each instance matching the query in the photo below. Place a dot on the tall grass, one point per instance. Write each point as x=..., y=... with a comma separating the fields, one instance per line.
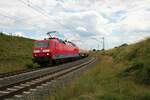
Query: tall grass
x=138, y=57
x=15, y=52
x=102, y=83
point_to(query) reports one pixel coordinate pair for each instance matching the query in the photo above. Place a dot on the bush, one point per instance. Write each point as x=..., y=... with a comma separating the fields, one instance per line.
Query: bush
x=125, y=44
x=140, y=69
x=135, y=66
x=1, y=33
x=143, y=75
x=132, y=54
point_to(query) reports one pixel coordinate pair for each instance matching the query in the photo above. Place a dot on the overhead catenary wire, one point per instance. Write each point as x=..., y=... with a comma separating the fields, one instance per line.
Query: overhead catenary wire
x=103, y=42
x=42, y=12
x=7, y=16
x=14, y=19
x=38, y=10
x=33, y=7
x=28, y=4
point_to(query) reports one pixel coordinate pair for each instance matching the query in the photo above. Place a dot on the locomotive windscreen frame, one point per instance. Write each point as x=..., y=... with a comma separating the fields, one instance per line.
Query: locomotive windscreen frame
x=41, y=44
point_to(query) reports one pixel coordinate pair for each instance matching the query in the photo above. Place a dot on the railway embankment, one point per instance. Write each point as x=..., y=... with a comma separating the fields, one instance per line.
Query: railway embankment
x=15, y=53
x=122, y=73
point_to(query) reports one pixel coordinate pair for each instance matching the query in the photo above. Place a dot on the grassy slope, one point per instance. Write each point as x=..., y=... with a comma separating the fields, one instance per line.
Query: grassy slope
x=106, y=81
x=138, y=57
x=15, y=52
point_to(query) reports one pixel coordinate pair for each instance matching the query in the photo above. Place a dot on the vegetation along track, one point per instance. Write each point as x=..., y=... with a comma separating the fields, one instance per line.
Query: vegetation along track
x=26, y=81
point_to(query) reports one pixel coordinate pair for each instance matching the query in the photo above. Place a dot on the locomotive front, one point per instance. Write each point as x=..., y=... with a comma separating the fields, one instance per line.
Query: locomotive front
x=41, y=52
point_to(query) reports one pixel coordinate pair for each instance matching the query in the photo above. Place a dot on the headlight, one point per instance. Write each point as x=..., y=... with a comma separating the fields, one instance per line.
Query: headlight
x=36, y=51
x=46, y=50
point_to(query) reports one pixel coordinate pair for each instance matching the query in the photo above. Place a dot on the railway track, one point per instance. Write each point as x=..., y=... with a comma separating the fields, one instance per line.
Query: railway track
x=36, y=78
x=8, y=74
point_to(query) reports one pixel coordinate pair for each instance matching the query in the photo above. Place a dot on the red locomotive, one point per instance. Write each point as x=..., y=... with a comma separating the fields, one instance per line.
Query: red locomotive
x=50, y=50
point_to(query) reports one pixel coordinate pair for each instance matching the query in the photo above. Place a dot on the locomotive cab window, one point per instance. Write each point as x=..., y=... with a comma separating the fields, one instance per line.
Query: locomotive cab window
x=41, y=44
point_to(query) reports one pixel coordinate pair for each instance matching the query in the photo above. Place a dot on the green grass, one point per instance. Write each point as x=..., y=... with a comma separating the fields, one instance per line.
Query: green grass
x=138, y=58
x=121, y=74
x=15, y=53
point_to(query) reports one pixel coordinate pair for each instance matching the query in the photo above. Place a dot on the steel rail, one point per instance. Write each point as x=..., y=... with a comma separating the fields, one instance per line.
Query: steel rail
x=26, y=85
x=23, y=77
x=8, y=74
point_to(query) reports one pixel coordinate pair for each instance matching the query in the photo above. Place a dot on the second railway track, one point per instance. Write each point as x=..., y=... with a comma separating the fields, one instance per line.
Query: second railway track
x=30, y=80
x=8, y=74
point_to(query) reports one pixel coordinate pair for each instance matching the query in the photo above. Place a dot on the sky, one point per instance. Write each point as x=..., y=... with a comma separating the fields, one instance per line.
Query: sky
x=83, y=22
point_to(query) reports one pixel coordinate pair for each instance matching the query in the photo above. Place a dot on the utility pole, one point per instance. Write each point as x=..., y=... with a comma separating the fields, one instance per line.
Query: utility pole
x=98, y=47
x=103, y=43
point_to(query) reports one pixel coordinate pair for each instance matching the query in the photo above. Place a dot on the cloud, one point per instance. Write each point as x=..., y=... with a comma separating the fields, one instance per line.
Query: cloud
x=78, y=20
x=81, y=29
x=20, y=34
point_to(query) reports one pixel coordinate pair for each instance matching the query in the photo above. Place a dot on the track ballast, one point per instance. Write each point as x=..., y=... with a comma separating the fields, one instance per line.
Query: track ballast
x=36, y=78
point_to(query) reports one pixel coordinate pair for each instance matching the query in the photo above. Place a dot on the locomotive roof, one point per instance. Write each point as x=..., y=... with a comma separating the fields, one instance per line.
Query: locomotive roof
x=47, y=39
